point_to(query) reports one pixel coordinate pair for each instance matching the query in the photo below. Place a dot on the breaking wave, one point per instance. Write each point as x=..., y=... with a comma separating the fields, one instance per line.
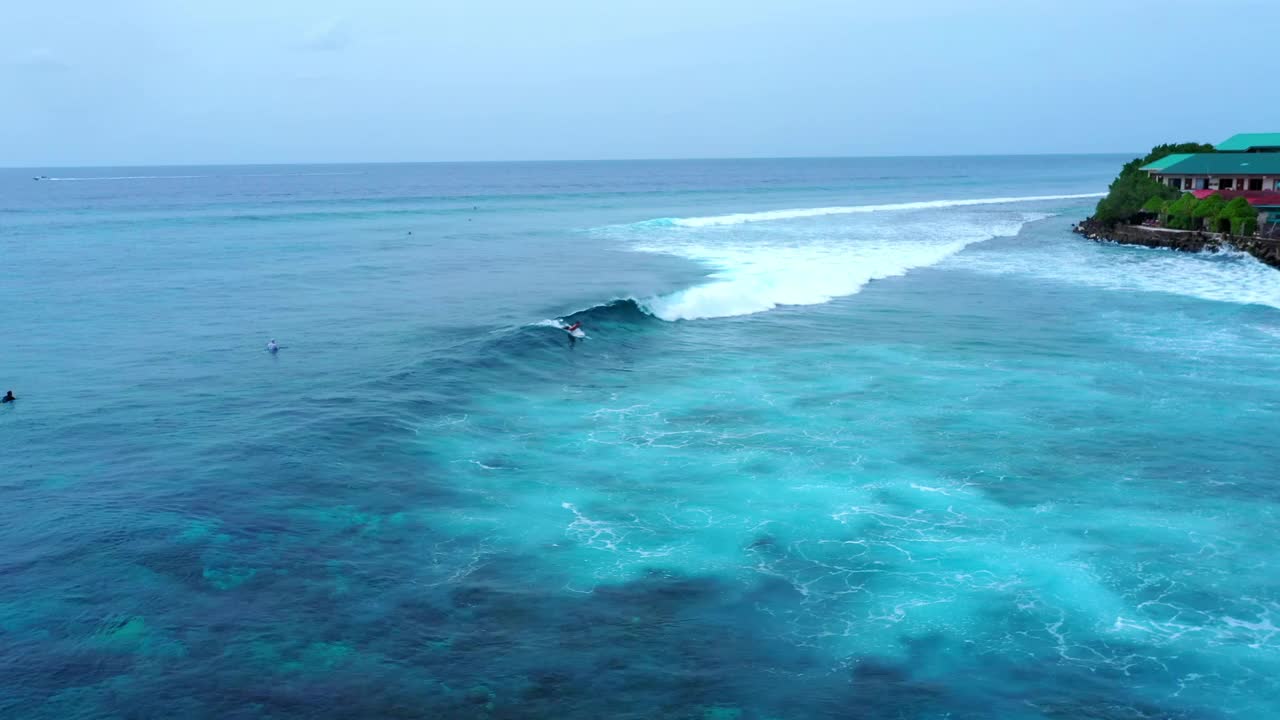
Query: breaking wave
x=757, y=268
x=751, y=278
x=767, y=215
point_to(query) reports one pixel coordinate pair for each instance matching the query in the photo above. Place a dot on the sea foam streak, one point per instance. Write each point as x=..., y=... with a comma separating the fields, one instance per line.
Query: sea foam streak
x=767, y=215
x=192, y=177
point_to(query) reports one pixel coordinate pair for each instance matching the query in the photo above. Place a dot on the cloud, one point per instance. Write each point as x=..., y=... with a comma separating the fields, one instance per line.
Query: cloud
x=330, y=36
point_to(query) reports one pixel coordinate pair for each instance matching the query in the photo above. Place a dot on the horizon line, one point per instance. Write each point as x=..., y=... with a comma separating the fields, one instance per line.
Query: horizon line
x=4, y=166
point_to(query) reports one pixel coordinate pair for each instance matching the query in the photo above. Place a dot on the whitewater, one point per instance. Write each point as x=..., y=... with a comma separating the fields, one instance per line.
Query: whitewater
x=755, y=270
x=758, y=271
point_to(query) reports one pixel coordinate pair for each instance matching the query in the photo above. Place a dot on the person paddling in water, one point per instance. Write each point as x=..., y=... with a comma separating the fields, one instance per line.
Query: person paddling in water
x=272, y=347
x=8, y=397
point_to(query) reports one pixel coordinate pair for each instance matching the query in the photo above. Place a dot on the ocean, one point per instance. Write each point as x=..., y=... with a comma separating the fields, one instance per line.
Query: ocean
x=847, y=438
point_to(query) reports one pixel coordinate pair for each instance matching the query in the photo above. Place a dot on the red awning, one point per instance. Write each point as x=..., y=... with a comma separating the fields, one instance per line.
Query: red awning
x=1254, y=197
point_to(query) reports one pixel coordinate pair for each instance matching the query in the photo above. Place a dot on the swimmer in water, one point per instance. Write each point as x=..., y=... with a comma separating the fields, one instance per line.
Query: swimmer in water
x=272, y=347
x=8, y=397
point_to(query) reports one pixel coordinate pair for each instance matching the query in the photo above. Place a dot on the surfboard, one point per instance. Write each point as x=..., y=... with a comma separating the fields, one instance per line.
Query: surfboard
x=576, y=333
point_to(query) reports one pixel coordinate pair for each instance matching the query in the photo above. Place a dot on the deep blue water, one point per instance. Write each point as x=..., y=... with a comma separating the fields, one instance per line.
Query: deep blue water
x=867, y=438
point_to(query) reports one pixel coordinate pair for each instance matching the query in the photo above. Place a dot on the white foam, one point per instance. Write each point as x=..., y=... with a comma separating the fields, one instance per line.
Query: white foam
x=739, y=218
x=1233, y=277
x=754, y=275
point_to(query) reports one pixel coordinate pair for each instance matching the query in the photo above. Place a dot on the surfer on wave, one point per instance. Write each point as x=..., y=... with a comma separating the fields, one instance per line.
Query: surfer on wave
x=574, y=331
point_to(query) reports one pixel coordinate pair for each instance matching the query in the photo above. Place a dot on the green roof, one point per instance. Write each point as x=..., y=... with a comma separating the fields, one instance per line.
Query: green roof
x=1226, y=164
x=1165, y=161
x=1244, y=141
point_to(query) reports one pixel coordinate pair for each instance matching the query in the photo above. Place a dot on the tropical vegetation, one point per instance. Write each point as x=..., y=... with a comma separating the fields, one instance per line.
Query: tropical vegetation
x=1212, y=213
x=1133, y=189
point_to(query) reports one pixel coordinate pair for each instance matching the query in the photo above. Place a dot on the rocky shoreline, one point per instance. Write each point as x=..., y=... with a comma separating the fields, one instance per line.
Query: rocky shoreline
x=1265, y=250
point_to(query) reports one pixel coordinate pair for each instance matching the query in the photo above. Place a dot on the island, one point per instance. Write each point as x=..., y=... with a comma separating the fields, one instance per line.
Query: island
x=1196, y=197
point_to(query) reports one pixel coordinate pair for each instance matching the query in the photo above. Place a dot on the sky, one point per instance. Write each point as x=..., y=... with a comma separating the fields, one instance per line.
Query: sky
x=148, y=82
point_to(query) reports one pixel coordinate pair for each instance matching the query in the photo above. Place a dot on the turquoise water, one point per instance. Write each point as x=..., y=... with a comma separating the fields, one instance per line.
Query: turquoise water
x=846, y=438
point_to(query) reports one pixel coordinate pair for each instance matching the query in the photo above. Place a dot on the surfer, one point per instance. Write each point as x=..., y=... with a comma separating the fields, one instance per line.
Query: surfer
x=272, y=347
x=574, y=331
x=8, y=397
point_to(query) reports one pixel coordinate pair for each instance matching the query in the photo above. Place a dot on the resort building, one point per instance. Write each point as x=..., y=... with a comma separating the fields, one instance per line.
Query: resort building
x=1249, y=163
x=1245, y=165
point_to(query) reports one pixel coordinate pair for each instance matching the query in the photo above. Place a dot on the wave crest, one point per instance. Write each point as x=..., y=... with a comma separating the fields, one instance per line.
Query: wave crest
x=758, y=269
x=753, y=278
x=767, y=215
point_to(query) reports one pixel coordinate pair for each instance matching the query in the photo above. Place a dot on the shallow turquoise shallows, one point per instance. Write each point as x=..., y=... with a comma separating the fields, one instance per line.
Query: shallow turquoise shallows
x=867, y=438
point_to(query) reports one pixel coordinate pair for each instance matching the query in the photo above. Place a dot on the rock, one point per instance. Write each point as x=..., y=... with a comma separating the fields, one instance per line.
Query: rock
x=1265, y=250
